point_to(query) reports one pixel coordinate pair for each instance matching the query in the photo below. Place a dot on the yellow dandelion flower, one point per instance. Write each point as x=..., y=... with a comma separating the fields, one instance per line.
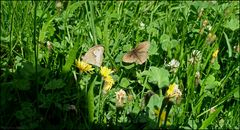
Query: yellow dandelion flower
x=107, y=86
x=173, y=91
x=108, y=83
x=170, y=90
x=215, y=54
x=109, y=79
x=104, y=71
x=83, y=67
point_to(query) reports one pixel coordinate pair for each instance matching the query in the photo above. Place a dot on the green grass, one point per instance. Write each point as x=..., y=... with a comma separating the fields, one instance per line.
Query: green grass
x=41, y=88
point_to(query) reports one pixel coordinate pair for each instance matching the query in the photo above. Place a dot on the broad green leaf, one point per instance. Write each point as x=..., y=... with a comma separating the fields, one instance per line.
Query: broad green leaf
x=211, y=118
x=232, y=24
x=155, y=100
x=158, y=76
x=54, y=84
x=166, y=45
x=136, y=108
x=154, y=104
x=210, y=82
x=124, y=83
x=174, y=43
x=164, y=38
x=153, y=49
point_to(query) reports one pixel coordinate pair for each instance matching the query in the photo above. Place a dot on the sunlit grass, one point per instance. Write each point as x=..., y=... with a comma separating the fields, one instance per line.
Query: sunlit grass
x=190, y=79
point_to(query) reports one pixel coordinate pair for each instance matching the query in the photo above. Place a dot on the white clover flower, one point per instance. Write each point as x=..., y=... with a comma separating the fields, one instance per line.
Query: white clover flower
x=196, y=56
x=120, y=98
x=173, y=64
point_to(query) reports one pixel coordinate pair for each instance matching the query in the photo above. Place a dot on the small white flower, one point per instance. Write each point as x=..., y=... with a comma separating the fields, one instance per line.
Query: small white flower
x=142, y=25
x=173, y=64
x=196, y=56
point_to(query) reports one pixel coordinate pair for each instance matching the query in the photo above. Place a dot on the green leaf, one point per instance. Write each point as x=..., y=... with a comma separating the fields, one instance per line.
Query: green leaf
x=26, y=112
x=141, y=80
x=168, y=44
x=158, y=76
x=119, y=57
x=233, y=24
x=129, y=66
x=22, y=84
x=164, y=38
x=136, y=108
x=165, y=41
x=192, y=124
x=54, y=84
x=210, y=82
x=71, y=57
x=236, y=94
x=215, y=66
x=124, y=83
x=153, y=49
x=211, y=118
x=45, y=29
x=90, y=101
x=154, y=104
x=126, y=47
x=154, y=101
x=228, y=44
x=174, y=43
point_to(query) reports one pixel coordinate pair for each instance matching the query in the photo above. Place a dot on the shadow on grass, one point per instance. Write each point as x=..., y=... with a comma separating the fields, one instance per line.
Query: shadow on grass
x=49, y=100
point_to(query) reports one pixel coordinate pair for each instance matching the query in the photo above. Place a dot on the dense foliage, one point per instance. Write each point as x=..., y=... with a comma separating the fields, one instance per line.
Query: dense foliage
x=189, y=81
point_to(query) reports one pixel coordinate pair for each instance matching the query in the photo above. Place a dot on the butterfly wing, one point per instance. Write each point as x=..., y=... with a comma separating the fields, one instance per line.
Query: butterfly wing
x=142, y=47
x=129, y=57
x=94, y=55
x=141, y=52
x=138, y=55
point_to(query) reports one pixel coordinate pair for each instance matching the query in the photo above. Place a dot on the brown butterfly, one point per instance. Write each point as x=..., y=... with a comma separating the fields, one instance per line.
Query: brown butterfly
x=138, y=54
x=94, y=55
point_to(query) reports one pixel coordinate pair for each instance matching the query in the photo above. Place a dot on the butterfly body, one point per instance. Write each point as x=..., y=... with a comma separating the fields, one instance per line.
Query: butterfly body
x=138, y=55
x=94, y=55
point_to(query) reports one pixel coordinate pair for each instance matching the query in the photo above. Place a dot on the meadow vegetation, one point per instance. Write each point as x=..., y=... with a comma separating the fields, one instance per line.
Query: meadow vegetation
x=190, y=79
